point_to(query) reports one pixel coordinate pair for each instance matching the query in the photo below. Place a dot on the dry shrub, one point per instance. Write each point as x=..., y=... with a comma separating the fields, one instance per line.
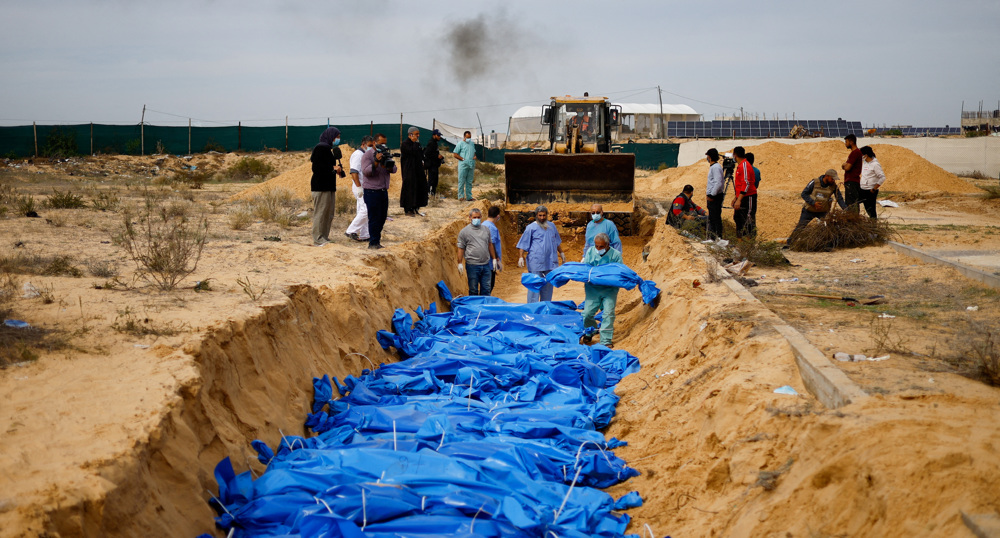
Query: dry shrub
x=344, y=203
x=240, y=217
x=984, y=350
x=249, y=168
x=842, y=229
x=102, y=268
x=758, y=250
x=105, y=201
x=884, y=338
x=165, y=248
x=274, y=205
x=65, y=200
x=447, y=182
x=991, y=192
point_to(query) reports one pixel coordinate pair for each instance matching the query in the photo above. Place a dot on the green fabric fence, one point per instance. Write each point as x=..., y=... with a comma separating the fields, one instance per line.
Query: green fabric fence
x=65, y=140
x=87, y=138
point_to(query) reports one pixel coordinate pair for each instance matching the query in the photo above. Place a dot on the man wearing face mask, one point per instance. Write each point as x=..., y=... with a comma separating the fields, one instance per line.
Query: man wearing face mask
x=358, y=230
x=600, y=225
x=539, y=245
x=324, y=183
x=476, y=256
x=376, y=174
x=601, y=298
x=465, y=152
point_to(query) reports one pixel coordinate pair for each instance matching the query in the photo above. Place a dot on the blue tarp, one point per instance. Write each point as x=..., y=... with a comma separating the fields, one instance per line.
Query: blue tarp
x=612, y=274
x=490, y=427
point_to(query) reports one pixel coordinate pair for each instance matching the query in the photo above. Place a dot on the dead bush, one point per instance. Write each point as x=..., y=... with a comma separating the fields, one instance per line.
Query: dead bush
x=165, y=248
x=274, y=205
x=65, y=200
x=991, y=192
x=842, y=229
x=757, y=249
x=345, y=202
x=105, y=201
x=249, y=168
x=240, y=217
x=102, y=268
x=984, y=350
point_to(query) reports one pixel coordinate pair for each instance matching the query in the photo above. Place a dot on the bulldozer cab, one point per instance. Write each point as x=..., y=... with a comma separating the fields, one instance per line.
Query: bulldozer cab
x=580, y=125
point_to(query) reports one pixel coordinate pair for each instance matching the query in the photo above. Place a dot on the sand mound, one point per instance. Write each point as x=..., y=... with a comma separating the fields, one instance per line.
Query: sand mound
x=788, y=167
x=297, y=180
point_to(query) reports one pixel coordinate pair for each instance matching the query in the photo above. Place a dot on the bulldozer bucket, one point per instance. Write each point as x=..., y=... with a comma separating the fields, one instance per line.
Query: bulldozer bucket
x=539, y=178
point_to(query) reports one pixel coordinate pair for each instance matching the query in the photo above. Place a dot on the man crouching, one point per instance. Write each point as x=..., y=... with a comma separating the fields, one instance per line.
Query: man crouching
x=601, y=298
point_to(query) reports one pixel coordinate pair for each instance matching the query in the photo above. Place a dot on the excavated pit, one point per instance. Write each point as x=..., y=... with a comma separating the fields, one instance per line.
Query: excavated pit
x=719, y=452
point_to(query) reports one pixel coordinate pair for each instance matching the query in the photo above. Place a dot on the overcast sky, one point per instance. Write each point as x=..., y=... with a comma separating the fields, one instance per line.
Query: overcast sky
x=878, y=62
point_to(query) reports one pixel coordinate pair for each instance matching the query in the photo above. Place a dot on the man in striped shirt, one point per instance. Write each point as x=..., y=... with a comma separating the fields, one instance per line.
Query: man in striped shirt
x=744, y=181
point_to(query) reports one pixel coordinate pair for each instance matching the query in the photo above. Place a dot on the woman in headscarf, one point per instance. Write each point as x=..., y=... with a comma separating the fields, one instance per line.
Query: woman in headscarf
x=413, y=195
x=325, y=169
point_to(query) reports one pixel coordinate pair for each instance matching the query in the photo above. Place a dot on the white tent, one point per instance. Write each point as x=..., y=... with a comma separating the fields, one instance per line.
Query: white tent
x=642, y=119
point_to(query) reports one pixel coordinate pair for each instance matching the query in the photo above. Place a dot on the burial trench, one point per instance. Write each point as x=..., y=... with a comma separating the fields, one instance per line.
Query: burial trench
x=699, y=416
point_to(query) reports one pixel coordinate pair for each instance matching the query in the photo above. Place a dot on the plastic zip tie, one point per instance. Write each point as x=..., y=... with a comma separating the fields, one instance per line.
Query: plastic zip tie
x=318, y=500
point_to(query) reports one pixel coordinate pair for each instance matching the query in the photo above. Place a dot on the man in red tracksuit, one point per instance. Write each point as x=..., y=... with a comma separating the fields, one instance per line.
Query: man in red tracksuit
x=744, y=181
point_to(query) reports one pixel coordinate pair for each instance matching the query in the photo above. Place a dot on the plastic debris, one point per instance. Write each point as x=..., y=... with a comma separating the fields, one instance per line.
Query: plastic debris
x=489, y=427
x=857, y=260
x=972, y=308
x=884, y=315
x=793, y=279
x=887, y=203
x=16, y=324
x=30, y=291
x=857, y=357
x=787, y=389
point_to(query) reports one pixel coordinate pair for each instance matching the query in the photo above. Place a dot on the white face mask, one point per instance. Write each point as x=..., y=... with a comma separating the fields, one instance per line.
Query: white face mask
x=597, y=216
x=476, y=222
x=467, y=140
x=601, y=251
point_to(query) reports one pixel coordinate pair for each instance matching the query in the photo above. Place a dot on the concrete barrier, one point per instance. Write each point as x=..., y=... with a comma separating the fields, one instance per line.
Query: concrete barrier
x=967, y=271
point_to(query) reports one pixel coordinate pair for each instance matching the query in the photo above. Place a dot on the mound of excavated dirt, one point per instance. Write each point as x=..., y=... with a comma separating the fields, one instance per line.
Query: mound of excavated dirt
x=297, y=180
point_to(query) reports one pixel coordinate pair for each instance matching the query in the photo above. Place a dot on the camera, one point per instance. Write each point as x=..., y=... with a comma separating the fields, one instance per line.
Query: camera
x=728, y=166
x=386, y=154
x=338, y=155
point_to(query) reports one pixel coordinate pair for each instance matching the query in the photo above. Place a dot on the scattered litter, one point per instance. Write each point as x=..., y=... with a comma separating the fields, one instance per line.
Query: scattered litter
x=696, y=283
x=887, y=203
x=303, y=214
x=787, y=389
x=702, y=326
x=30, y=291
x=16, y=324
x=883, y=315
x=141, y=346
x=857, y=260
x=738, y=268
x=972, y=308
x=664, y=374
x=794, y=279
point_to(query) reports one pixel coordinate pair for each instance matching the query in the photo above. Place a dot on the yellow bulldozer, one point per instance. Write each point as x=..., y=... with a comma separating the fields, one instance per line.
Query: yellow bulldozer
x=579, y=169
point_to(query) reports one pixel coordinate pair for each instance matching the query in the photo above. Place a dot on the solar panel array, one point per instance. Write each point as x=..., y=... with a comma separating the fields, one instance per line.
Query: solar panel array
x=760, y=128
x=930, y=131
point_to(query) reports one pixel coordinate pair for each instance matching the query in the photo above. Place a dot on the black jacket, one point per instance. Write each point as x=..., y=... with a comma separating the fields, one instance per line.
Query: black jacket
x=324, y=158
x=413, y=194
x=432, y=159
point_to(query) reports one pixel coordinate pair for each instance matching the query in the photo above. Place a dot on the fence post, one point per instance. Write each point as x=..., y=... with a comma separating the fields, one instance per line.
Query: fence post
x=142, y=132
x=371, y=127
x=34, y=127
x=239, y=135
x=400, y=129
x=286, y=133
x=189, y=136
x=91, y=138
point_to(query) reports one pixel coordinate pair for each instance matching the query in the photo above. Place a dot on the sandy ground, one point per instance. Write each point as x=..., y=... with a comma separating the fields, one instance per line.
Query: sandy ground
x=134, y=394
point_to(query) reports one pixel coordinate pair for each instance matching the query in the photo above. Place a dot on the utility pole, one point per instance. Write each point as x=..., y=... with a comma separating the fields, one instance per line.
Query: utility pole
x=142, y=132
x=659, y=93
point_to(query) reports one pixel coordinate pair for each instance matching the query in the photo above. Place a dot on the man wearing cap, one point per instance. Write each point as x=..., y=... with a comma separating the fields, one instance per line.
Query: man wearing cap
x=600, y=225
x=465, y=152
x=818, y=195
x=432, y=162
x=539, y=245
x=714, y=193
x=413, y=194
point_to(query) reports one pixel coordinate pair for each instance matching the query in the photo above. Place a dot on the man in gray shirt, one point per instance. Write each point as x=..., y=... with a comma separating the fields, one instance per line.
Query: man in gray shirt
x=714, y=193
x=476, y=252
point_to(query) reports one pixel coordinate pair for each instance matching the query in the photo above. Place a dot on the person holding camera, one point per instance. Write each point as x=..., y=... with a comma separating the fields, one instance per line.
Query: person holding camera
x=413, y=194
x=714, y=193
x=745, y=185
x=432, y=162
x=465, y=152
x=376, y=166
x=326, y=167
x=358, y=230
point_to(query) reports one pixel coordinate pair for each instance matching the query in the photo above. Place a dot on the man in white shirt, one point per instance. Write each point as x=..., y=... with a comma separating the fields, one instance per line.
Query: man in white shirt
x=358, y=230
x=714, y=193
